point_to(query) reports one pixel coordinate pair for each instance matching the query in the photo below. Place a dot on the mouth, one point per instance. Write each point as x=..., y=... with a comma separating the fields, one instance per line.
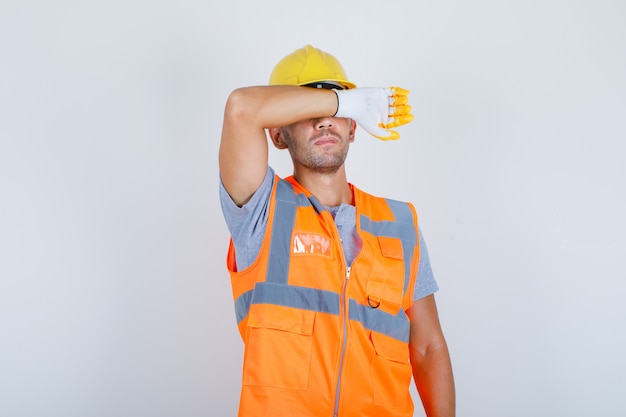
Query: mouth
x=325, y=140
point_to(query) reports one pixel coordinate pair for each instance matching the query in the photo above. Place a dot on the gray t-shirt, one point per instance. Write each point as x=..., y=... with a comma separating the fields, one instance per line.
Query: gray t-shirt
x=247, y=226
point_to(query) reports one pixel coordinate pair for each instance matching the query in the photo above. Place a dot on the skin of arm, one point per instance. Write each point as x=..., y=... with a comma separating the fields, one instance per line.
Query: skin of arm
x=430, y=360
x=243, y=154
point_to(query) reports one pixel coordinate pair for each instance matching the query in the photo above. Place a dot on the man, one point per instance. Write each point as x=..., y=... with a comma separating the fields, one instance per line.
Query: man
x=332, y=286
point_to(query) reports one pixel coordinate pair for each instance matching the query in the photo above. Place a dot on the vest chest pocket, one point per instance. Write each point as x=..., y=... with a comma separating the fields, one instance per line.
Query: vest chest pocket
x=385, y=284
x=278, y=347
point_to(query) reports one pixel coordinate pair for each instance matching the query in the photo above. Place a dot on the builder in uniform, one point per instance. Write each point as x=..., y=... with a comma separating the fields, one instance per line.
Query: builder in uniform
x=332, y=287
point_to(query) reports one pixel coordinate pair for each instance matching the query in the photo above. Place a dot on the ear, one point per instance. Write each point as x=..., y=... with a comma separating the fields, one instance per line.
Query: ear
x=276, y=135
x=352, y=130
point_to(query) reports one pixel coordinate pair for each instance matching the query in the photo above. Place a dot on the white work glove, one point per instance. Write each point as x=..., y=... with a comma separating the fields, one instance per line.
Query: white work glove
x=375, y=109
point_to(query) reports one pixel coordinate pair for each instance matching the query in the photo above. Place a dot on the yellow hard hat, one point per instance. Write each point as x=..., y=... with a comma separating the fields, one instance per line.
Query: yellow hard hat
x=312, y=67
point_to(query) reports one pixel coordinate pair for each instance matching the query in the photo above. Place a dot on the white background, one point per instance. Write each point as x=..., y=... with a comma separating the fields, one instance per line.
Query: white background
x=114, y=298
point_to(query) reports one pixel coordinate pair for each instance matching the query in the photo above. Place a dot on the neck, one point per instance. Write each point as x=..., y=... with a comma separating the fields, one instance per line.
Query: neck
x=331, y=189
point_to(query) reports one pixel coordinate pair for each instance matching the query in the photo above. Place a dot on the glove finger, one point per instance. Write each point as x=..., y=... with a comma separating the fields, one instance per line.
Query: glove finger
x=380, y=132
x=396, y=94
x=399, y=110
x=398, y=121
x=398, y=113
x=397, y=91
x=398, y=100
x=389, y=135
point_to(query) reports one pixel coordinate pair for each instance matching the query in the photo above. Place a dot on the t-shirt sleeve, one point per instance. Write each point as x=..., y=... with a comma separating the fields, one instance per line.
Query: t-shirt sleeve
x=247, y=224
x=425, y=284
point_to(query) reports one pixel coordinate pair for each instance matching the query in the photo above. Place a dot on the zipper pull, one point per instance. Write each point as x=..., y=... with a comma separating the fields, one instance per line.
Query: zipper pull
x=348, y=272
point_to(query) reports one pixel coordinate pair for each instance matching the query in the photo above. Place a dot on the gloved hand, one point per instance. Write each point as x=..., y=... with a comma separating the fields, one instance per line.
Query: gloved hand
x=375, y=109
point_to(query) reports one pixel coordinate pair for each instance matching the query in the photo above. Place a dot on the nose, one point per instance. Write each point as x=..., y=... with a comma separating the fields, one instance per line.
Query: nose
x=324, y=123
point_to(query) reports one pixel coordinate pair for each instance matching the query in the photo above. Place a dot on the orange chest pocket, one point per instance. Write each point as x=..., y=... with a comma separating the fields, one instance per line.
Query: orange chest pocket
x=385, y=283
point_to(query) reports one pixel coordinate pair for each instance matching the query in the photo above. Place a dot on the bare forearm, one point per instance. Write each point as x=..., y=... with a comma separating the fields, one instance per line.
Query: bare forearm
x=432, y=372
x=276, y=106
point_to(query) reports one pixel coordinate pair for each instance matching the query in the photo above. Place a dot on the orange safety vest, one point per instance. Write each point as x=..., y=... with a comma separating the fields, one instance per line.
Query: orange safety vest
x=323, y=339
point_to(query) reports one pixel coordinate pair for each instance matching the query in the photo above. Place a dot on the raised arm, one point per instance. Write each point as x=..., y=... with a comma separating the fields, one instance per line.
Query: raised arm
x=249, y=111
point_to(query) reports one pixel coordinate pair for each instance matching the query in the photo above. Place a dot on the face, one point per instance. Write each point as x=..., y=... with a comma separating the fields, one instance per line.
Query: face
x=320, y=145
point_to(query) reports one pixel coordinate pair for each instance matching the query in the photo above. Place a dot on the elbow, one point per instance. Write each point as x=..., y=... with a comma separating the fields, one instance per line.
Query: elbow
x=240, y=105
x=424, y=349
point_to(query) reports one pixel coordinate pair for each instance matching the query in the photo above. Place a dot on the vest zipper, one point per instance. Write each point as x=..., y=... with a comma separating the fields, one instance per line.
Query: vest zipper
x=344, y=313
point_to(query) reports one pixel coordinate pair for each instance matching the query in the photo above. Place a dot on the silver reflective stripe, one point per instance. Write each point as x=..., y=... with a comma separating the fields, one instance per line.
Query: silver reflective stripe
x=242, y=305
x=323, y=301
x=401, y=211
x=303, y=298
x=284, y=217
x=316, y=204
x=287, y=296
x=379, y=321
x=280, y=244
x=402, y=228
